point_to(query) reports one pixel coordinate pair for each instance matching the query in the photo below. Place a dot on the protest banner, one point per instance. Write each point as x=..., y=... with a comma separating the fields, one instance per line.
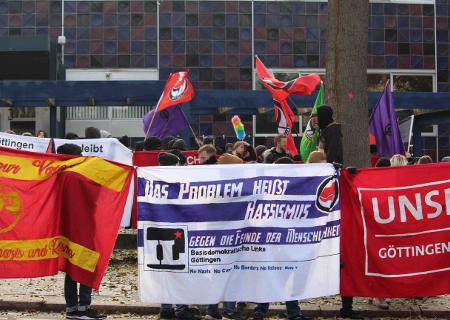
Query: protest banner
x=109, y=149
x=106, y=148
x=28, y=143
x=150, y=159
x=396, y=231
x=257, y=232
x=59, y=213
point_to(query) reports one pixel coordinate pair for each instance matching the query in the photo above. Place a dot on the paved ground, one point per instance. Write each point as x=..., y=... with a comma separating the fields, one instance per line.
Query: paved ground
x=118, y=293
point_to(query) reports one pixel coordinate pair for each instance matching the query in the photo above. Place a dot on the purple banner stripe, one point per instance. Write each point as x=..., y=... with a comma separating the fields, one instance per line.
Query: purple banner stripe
x=258, y=236
x=296, y=186
x=231, y=211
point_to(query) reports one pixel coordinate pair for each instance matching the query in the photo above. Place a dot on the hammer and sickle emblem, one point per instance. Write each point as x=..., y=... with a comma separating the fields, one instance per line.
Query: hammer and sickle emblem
x=10, y=208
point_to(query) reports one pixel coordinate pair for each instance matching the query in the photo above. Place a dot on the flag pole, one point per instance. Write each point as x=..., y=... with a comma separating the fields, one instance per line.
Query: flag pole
x=293, y=127
x=150, y=125
x=190, y=127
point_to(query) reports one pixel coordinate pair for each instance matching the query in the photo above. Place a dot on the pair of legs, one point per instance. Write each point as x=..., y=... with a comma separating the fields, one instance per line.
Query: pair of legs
x=181, y=312
x=292, y=307
x=229, y=309
x=76, y=301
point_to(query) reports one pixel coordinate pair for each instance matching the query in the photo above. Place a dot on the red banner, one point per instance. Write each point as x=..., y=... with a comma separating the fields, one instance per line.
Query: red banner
x=150, y=158
x=59, y=213
x=395, y=236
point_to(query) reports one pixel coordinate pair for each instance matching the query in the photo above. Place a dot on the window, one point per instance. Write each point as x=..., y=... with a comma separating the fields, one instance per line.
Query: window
x=413, y=83
x=22, y=112
x=377, y=82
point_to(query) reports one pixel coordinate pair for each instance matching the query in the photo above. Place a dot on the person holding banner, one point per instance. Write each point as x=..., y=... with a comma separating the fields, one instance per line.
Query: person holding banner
x=182, y=310
x=78, y=303
x=230, y=311
x=292, y=307
x=330, y=140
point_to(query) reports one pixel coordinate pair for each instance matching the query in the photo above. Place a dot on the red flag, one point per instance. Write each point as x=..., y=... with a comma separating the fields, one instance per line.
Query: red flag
x=59, y=213
x=302, y=86
x=285, y=124
x=280, y=92
x=178, y=90
x=395, y=231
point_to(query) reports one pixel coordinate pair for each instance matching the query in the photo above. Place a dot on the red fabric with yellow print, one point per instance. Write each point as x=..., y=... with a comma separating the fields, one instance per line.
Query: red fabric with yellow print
x=59, y=213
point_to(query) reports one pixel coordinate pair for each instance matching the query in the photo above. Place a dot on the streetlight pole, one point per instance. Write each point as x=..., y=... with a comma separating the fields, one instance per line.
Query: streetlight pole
x=62, y=38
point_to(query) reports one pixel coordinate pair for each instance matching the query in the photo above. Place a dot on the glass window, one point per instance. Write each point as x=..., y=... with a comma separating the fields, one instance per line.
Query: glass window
x=413, y=83
x=377, y=82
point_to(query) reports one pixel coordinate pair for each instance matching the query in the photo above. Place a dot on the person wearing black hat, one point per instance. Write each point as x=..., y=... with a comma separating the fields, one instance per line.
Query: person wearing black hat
x=179, y=144
x=209, y=140
x=165, y=142
x=92, y=133
x=168, y=159
x=330, y=134
x=152, y=143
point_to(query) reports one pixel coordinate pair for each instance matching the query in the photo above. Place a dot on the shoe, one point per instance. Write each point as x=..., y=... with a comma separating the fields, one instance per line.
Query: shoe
x=258, y=317
x=187, y=315
x=301, y=317
x=167, y=315
x=89, y=314
x=214, y=316
x=241, y=306
x=350, y=314
x=234, y=316
x=72, y=314
x=380, y=303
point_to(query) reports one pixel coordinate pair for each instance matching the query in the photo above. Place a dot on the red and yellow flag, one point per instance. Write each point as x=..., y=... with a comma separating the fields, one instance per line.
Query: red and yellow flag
x=59, y=213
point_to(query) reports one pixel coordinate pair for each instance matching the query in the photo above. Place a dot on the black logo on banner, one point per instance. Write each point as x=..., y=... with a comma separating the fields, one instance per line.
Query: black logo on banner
x=327, y=194
x=167, y=234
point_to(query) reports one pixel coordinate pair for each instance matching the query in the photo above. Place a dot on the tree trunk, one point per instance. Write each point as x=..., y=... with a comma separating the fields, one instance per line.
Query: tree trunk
x=346, y=76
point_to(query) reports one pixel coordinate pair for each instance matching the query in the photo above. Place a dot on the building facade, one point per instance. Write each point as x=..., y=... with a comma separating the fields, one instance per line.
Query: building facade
x=217, y=40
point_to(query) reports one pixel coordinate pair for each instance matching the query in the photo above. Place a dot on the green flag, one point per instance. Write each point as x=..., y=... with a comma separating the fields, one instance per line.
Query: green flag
x=311, y=134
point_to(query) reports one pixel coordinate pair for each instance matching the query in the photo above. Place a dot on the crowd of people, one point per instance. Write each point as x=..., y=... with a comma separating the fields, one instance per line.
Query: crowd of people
x=171, y=149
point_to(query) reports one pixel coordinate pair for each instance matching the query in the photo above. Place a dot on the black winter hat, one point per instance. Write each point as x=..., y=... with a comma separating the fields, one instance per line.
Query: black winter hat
x=168, y=159
x=69, y=148
x=152, y=143
x=324, y=116
x=92, y=133
x=179, y=145
x=165, y=142
x=71, y=136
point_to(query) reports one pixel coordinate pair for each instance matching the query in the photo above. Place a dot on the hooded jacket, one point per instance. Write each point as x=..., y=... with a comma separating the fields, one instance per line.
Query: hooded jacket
x=330, y=134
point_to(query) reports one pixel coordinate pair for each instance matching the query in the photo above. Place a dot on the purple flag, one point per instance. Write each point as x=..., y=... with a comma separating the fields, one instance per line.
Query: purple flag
x=166, y=123
x=383, y=125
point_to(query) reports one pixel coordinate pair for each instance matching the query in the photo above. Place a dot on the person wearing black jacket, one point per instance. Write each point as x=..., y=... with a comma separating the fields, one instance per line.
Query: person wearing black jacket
x=330, y=139
x=330, y=134
x=279, y=151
